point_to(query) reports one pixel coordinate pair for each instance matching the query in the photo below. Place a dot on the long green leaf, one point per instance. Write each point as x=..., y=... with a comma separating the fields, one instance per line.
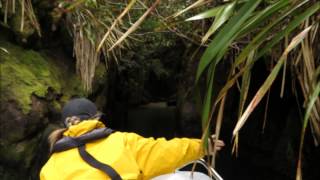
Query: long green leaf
x=291, y=26
x=268, y=82
x=206, y=108
x=225, y=36
x=259, y=39
x=206, y=116
x=208, y=14
x=253, y=45
x=245, y=84
x=253, y=22
x=220, y=19
x=313, y=98
x=194, y=5
x=207, y=99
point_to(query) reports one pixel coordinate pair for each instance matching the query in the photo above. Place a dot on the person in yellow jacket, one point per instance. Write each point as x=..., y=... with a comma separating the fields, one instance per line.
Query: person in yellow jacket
x=131, y=156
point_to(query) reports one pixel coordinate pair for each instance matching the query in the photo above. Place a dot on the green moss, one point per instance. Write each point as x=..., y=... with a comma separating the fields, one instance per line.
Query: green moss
x=26, y=72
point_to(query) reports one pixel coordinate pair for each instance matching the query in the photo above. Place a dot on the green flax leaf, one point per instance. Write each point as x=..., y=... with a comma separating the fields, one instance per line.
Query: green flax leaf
x=208, y=14
x=291, y=26
x=222, y=16
x=225, y=36
x=268, y=82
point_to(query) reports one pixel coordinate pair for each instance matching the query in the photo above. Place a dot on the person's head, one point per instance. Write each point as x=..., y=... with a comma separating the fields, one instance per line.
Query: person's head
x=77, y=110
x=73, y=112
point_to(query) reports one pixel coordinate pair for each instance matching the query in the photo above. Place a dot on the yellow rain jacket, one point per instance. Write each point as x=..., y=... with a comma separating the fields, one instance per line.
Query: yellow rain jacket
x=131, y=155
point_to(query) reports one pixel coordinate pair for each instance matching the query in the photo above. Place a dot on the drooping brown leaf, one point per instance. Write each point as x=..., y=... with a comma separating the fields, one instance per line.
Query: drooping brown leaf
x=135, y=25
x=124, y=12
x=268, y=82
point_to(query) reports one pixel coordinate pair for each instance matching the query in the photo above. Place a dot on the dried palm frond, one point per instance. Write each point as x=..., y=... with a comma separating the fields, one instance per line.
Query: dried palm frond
x=9, y=7
x=115, y=22
x=308, y=70
x=87, y=24
x=27, y=13
x=28, y=9
x=97, y=32
x=87, y=57
x=135, y=25
x=307, y=75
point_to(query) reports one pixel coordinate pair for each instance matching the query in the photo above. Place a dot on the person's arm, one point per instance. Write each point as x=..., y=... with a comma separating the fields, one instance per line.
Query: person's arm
x=160, y=156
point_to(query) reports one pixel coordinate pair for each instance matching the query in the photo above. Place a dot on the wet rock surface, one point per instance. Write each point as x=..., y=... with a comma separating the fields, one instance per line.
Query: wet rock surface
x=33, y=88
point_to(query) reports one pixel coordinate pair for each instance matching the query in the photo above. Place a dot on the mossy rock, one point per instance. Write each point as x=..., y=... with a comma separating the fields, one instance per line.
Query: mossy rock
x=26, y=72
x=33, y=85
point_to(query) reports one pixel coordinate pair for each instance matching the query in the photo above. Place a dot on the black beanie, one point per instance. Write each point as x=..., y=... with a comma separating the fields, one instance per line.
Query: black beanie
x=79, y=107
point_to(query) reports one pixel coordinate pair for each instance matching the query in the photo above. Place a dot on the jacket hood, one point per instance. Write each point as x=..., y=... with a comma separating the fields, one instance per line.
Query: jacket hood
x=83, y=127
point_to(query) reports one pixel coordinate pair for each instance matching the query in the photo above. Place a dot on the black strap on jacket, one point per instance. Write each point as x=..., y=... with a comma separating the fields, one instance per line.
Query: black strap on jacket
x=80, y=142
